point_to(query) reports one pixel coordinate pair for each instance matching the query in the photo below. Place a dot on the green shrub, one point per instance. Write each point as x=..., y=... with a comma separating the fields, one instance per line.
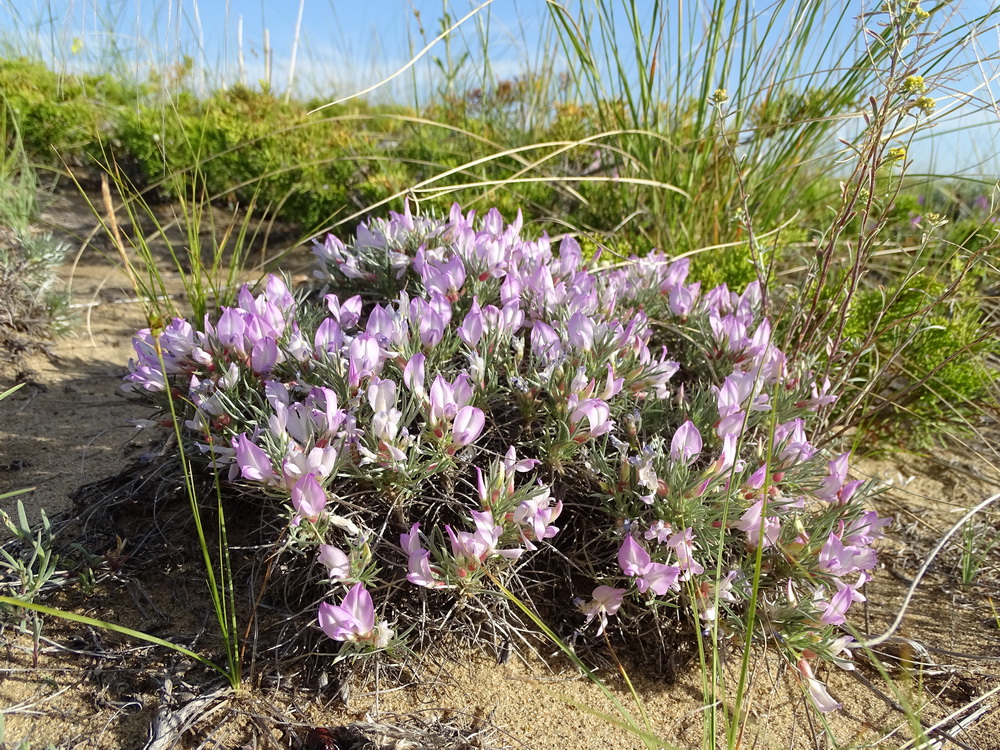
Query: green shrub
x=252, y=148
x=60, y=115
x=928, y=367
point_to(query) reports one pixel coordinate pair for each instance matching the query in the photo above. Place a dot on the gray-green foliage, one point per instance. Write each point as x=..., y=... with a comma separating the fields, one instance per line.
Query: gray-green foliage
x=29, y=570
x=32, y=307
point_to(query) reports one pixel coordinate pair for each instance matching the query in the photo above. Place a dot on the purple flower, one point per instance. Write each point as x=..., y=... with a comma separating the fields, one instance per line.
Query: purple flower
x=821, y=396
x=580, y=331
x=471, y=329
x=795, y=448
x=446, y=278
x=506, y=321
x=595, y=411
x=682, y=299
x=264, y=355
x=682, y=544
x=231, y=328
x=606, y=601
x=429, y=320
x=865, y=529
x=658, y=578
x=834, y=611
x=686, y=444
x=675, y=274
x=336, y=562
x=817, y=690
x=835, y=487
x=308, y=498
x=635, y=563
x=413, y=375
x=384, y=325
x=253, y=462
x=418, y=561
x=727, y=457
x=471, y=549
x=324, y=412
x=447, y=398
x=352, y=620
x=750, y=523
x=364, y=358
x=468, y=425
x=839, y=559
x=612, y=386
x=545, y=343
x=329, y=337
x=347, y=314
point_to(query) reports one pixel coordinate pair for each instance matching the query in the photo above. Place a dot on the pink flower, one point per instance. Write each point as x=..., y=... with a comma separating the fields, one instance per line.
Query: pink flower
x=418, y=562
x=468, y=425
x=635, y=562
x=659, y=531
x=835, y=611
x=750, y=523
x=686, y=444
x=336, y=562
x=596, y=412
x=253, y=462
x=471, y=329
x=308, y=498
x=580, y=331
x=511, y=464
x=817, y=690
x=471, y=549
x=632, y=558
x=709, y=595
x=352, y=620
x=682, y=544
x=606, y=601
x=535, y=515
x=382, y=395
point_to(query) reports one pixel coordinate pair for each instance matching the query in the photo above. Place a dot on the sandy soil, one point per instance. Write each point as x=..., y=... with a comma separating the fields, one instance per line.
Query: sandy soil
x=82, y=688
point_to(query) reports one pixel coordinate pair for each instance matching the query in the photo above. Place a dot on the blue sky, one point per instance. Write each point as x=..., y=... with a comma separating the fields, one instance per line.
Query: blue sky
x=347, y=45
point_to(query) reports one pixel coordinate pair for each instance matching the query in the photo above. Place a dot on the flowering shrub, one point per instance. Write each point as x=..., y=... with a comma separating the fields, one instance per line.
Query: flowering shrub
x=480, y=400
